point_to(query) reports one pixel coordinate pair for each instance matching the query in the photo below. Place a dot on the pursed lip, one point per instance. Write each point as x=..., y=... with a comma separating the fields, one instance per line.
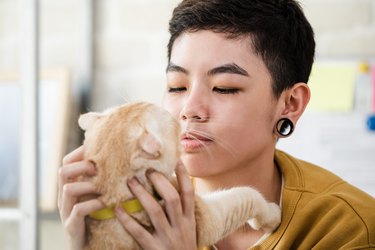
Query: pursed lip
x=194, y=142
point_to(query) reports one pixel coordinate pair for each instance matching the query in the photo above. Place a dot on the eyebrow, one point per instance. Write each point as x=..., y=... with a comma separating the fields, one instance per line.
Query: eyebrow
x=175, y=68
x=230, y=68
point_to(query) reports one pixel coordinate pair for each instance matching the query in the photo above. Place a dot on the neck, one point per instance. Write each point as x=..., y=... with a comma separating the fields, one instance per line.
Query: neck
x=261, y=175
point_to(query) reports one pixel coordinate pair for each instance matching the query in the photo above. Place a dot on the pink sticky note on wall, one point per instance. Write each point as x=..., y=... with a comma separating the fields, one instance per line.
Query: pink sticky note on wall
x=373, y=87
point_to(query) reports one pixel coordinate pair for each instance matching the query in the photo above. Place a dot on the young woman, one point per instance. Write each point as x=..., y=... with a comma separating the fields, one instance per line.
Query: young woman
x=237, y=73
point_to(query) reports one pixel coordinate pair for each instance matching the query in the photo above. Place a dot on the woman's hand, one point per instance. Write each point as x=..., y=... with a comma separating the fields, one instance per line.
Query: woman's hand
x=73, y=212
x=175, y=227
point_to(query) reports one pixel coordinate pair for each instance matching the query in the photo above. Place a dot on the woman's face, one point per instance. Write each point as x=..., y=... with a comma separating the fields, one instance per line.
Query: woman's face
x=221, y=92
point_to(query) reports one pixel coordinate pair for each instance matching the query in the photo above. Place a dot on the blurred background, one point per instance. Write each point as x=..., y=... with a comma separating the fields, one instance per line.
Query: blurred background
x=93, y=54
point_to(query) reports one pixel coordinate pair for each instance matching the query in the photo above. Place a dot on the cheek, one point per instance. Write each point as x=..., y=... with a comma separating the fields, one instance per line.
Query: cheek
x=172, y=106
x=247, y=133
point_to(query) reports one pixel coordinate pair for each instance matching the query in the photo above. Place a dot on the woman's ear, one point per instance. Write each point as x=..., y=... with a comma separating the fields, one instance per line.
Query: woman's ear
x=295, y=101
x=85, y=121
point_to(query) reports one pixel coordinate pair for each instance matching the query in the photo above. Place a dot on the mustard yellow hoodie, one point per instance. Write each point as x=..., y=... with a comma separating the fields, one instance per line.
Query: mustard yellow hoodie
x=320, y=211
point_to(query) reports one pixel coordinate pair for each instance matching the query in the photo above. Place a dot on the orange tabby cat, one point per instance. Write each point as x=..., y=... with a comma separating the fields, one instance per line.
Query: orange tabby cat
x=124, y=142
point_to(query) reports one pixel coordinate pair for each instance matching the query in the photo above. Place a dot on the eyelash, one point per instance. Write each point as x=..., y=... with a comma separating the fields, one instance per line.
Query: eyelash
x=223, y=91
x=176, y=90
x=226, y=91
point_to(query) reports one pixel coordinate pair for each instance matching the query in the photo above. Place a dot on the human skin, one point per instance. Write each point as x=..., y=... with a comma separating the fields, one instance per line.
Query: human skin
x=220, y=89
x=238, y=109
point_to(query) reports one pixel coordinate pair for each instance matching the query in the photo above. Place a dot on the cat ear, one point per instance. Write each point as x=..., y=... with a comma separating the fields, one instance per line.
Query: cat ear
x=150, y=145
x=85, y=121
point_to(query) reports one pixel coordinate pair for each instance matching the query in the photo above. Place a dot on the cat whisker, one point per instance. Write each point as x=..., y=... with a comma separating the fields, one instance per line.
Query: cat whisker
x=125, y=97
x=223, y=144
x=199, y=141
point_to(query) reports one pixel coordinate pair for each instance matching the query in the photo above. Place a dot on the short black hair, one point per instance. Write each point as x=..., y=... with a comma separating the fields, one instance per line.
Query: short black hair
x=278, y=30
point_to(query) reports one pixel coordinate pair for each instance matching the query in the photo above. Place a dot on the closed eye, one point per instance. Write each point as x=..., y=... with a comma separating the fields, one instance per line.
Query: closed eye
x=226, y=90
x=176, y=90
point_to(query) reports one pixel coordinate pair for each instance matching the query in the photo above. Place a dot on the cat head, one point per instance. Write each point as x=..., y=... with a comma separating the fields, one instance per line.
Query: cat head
x=129, y=139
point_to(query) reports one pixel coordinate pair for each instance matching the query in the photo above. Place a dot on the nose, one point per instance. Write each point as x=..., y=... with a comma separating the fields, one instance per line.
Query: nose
x=195, y=108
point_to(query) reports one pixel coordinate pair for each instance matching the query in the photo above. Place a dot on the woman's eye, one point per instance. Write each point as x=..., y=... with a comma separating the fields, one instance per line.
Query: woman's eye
x=176, y=90
x=226, y=90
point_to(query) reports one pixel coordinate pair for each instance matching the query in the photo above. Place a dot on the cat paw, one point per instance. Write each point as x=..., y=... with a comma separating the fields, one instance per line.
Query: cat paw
x=254, y=223
x=268, y=220
x=274, y=219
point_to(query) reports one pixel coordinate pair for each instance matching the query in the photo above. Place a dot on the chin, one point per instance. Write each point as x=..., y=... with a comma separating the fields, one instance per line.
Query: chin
x=199, y=167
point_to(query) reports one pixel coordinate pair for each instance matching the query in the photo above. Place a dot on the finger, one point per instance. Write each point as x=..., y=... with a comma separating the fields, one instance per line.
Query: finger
x=75, y=155
x=70, y=194
x=72, y=171
x=152, y=207
x=82, y=209
x=79, y=211
x=169, y=194
x=139, y=233
x=186, y=190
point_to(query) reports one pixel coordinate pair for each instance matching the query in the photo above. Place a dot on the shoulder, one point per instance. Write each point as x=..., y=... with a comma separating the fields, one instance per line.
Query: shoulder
x=310, y=178
x=327, y=207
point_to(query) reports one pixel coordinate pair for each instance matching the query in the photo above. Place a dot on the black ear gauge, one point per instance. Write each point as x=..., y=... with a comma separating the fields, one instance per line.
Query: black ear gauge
x=284, y=127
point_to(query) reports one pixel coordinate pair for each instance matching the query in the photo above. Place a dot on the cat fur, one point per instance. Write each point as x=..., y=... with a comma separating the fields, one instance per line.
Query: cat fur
x=127, y=140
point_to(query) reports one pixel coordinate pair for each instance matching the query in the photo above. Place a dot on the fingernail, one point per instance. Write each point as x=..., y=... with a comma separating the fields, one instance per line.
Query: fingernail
x=133, y=181
x=149, y=171
x=93, y=169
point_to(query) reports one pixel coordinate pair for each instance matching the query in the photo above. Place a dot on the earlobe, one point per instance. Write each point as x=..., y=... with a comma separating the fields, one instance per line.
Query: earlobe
x=85, y=121
x=284, y=127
